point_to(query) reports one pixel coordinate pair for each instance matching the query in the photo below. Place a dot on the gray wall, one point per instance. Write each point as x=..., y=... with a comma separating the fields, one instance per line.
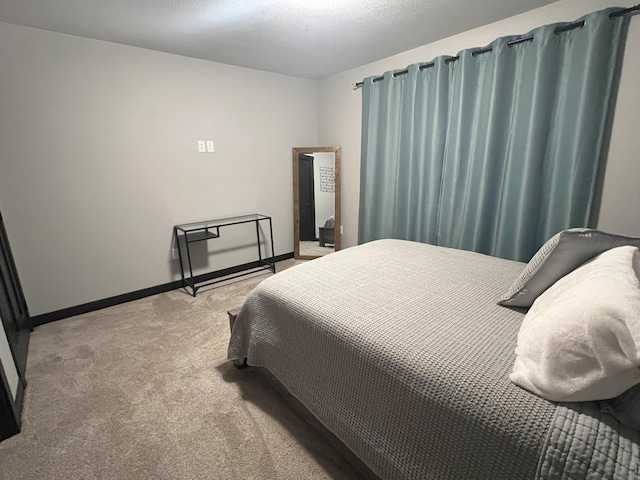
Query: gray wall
x=339, y=112
x=98, y=160
x=98, y=155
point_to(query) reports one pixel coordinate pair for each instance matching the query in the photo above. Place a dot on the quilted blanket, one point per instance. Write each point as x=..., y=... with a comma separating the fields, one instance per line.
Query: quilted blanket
x=400, y=349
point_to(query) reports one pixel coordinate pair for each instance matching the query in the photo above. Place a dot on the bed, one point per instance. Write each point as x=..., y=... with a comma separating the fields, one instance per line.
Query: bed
x=402, y=352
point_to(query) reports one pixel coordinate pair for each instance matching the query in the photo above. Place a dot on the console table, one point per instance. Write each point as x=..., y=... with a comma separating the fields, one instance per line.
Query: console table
x=187, y=233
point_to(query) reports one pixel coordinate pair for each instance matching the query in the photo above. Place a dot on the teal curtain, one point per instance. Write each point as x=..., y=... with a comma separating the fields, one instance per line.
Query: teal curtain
x=513, y=157
x=404, y=126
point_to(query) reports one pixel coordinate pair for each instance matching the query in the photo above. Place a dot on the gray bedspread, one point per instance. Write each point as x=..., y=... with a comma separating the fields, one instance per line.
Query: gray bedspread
x=400, y=350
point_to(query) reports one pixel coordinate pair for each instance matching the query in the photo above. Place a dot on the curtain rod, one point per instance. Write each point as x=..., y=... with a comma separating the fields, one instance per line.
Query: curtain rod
x=523, y=39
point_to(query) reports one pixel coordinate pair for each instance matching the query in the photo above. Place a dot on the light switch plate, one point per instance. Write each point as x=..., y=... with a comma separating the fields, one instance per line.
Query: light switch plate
x=201, y=146
x=210, y=146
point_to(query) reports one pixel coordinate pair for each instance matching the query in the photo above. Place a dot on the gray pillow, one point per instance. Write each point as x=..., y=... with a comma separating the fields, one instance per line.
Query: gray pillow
x=625, y=407
x=560, y=255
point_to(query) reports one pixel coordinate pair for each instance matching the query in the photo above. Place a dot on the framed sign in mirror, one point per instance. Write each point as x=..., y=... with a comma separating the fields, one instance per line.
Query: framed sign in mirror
x=316, y=201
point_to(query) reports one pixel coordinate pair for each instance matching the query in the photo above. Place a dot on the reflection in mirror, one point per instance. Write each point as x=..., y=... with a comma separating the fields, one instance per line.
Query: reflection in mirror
x=316, y=201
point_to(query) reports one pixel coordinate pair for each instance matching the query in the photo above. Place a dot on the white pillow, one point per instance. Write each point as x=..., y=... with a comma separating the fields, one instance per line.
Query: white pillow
x=581, y=338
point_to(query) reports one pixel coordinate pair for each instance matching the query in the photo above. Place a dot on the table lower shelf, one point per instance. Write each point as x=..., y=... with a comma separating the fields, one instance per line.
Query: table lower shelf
x=198, y=284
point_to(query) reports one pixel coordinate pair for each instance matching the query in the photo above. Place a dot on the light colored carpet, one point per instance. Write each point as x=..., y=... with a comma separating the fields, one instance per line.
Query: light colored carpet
x=143, y=390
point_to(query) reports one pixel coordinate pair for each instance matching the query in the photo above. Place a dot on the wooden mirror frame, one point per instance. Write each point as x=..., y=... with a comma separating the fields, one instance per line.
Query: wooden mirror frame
x=296, y=199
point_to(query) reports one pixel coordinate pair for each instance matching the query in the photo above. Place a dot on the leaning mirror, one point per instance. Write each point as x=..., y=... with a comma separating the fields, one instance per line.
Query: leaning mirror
x=316, y=201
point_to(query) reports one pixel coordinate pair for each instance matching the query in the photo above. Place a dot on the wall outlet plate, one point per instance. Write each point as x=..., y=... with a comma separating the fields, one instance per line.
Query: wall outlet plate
x=201, y=146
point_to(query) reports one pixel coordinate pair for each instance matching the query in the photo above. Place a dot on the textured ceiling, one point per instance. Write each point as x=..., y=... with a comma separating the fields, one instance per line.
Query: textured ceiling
x=304, y=38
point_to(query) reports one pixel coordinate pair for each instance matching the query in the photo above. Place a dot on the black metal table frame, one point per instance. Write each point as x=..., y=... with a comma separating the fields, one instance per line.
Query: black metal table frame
x=200, y=231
